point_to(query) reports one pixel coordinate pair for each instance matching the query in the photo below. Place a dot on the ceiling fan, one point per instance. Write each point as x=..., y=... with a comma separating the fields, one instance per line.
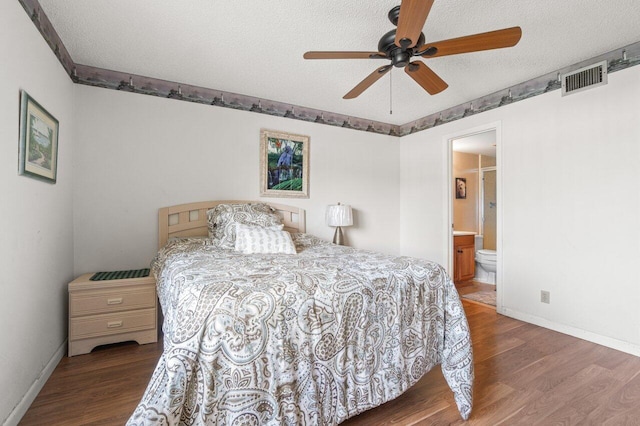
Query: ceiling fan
x=401, y=44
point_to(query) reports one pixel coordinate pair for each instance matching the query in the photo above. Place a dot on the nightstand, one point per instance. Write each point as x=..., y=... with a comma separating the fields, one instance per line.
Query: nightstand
x=111, y=311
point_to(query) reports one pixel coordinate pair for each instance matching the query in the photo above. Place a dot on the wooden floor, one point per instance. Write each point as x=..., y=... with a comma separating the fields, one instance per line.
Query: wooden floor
x=524, y=375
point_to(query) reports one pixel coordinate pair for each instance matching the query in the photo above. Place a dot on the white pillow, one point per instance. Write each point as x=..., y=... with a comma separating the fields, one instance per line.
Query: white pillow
x=257, y=239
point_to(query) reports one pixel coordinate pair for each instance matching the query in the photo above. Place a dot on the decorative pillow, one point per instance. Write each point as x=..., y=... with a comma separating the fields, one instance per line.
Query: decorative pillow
x=255, y=239
x=222, y=220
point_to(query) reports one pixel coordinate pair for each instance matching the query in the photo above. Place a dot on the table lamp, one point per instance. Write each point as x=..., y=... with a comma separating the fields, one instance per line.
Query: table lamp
x=339, y=215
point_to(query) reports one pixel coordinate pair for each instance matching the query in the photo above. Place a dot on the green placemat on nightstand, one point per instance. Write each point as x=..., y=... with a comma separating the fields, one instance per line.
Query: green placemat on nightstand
x=120, y=275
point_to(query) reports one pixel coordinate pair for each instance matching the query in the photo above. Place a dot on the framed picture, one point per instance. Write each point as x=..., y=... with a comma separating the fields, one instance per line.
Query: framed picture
x=38, y=154
x=461, y=188
x=284, y=165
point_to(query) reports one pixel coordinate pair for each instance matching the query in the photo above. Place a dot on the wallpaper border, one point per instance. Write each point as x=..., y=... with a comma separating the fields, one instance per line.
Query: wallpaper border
x=618, y=59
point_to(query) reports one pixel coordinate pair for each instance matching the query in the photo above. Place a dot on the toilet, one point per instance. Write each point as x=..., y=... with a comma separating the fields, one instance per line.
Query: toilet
x=485, y=262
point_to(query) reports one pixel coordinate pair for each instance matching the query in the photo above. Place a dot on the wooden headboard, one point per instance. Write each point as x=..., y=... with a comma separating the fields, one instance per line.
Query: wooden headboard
x=190, y=220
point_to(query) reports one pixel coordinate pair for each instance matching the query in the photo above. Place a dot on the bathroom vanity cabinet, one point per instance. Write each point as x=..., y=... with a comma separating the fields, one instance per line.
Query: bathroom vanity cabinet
x=464, y=266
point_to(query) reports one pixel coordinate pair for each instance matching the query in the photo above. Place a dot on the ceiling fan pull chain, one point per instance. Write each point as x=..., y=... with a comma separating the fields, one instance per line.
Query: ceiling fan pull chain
x=390, y=94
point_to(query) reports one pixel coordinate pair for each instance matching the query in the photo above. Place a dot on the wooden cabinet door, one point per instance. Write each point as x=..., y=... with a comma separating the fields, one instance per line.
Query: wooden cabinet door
x=464, y=262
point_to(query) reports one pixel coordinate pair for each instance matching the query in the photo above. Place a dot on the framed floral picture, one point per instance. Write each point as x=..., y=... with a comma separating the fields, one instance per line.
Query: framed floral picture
x=284, y=164
x=38, y=152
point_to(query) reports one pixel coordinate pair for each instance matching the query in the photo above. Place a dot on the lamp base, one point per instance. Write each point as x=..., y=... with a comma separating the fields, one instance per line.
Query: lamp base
x=338, y=238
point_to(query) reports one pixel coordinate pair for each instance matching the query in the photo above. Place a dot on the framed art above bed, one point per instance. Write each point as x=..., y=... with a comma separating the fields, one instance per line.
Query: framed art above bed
x=284, y=164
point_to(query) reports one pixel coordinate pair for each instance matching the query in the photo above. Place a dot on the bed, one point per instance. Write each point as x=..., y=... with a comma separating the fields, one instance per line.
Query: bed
x=259, y=337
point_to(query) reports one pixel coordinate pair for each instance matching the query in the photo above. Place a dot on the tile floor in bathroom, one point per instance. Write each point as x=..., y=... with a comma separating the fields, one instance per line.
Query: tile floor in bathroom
x=472, y=286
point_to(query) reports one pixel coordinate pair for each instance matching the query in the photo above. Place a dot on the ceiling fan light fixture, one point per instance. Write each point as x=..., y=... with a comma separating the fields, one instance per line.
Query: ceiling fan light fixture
x=400, y=58
x=407, y=40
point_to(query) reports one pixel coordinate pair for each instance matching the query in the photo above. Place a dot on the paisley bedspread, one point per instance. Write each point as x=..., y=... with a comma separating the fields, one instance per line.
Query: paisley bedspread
x=306, y=339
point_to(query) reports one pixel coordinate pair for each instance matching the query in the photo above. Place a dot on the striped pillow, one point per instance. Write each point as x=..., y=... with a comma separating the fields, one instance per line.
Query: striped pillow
x=256, y=239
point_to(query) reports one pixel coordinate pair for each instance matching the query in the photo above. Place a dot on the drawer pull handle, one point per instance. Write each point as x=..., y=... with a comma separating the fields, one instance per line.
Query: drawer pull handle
x=114, y=324
x=115, y=301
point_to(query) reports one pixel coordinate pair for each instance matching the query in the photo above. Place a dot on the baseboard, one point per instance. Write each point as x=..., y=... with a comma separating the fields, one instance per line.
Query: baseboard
x=35, y=388
x=609, y=342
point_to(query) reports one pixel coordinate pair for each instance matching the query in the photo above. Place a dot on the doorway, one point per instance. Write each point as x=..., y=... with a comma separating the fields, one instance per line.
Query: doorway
x=475, y=218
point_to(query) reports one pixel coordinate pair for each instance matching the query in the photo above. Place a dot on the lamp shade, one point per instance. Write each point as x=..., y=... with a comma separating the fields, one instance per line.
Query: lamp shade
x=339, y=215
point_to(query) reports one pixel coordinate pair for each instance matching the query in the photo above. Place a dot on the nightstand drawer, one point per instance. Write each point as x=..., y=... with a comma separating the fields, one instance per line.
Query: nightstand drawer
x=106, y=324
x=96, y=302
x=102, y=312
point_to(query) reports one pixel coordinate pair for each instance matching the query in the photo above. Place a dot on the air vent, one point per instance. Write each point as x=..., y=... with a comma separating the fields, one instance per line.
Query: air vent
x=584, y=78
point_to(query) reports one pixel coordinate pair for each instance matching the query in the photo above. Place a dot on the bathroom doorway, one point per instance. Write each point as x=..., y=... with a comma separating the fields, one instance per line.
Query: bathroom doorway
x=475, y=214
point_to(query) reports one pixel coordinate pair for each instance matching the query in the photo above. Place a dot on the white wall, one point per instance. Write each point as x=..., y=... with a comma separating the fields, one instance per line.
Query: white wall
x=570, y=192
x=36, y=254
x=137, y=153
x=571, y=207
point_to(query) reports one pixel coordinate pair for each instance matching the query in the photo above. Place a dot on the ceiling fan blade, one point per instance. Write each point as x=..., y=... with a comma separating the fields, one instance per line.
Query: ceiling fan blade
x=344, y=55
x=367, y=82
x=498, y=39
x=413, y=15
x=425, y=77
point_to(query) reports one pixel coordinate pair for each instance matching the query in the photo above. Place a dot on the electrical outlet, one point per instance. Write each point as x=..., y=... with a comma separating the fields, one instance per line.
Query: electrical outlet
x=545, y=296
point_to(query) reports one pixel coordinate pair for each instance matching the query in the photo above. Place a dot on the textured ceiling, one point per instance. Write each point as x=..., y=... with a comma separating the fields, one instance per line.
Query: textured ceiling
x=255, y=47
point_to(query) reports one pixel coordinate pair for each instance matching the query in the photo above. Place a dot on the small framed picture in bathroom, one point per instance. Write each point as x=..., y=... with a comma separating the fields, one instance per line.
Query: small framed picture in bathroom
x=461, y=188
